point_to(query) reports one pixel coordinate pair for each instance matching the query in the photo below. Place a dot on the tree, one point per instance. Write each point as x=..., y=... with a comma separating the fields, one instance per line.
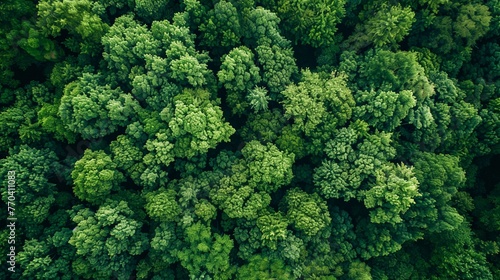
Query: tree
x=308, y=213
x=440, y=177
x=325, y=94
x=263, y=127
x=278, y=66
x=162, y=206
x=30, y=171
x=150, y=10
x=311, y=22
x=261, y=29
x=393, y=192
x=273, y=228
x=472, y=22
x=237, y=199
x=238, y=74
x=127, y=156
x=332, y=104
x=383, y=110
x=261, y=267
x=206, y=254
x=95, y=110
x=258, y=99
x=49, y=255
x=197, y=123
x=17, y=17
x=95, y=177
x=111, y=236
x=454, y=255
x=386, y=27
x=359, y=270
x=127, y=34
x=354, y=155
x=394, y=71
x=78, y=18
x=221, y=26
x=269, y=168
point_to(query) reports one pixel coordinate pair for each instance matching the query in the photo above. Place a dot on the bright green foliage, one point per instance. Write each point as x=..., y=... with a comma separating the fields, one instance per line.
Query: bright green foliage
x=205, y=210
x=258, y=99
x=151, y=84
x=260, y=267
x=95, y=177
x=77, y=17
x=383, y=110
x=273, y=228
x=51, y=122
x=197, y=124
x=233, y=193
x=392, y=194
x=160, y=151
x=95, y=110
x=311, y=22
x=318, y=102
x=237, y=199
x=34, y=194
x=308, y=213
x=269, y=167
x=186, y=66
x=389, y=25
x=395, y=71
x=152, y=177
x=251, y=139
x=205, y=253
x=110, y=237
x=353, y=156
x=125, y=45
x=222, y=26
x=188, y=70
x=161, y=205
x=359, y=270
x=239, y=75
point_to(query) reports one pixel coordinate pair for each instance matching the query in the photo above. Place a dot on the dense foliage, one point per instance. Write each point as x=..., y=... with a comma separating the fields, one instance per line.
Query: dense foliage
x=272, y=139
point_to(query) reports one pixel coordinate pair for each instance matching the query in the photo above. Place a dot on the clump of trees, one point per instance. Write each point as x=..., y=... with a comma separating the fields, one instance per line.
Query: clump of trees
x=273, y=139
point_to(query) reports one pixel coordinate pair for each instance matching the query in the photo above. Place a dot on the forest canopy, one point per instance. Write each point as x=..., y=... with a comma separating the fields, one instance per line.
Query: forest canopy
x=272, y=139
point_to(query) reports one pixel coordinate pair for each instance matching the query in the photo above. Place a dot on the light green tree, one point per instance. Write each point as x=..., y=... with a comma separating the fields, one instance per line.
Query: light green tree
x=95, y=177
